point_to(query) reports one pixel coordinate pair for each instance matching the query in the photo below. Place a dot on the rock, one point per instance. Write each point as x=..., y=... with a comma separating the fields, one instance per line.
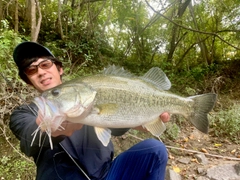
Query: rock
x=184, y=160
x=201, y=171
x=223, y=172
x=237, y=168
x=197, y=135
x=202, y=178
x=202, y=159
x=172, y=175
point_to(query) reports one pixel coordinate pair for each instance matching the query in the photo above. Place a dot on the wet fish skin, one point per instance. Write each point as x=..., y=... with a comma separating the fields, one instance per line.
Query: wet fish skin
x=118, y=99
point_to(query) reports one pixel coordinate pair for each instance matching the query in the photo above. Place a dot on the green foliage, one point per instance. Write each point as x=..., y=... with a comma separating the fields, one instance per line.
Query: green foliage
x=8, y=40
x=16, y=168
x=226, y=123
x=172, y=131
x=14, y=165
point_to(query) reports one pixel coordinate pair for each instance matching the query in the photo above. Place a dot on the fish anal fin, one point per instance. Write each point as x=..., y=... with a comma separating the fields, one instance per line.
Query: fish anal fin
x=156, y=127
x=103, y=134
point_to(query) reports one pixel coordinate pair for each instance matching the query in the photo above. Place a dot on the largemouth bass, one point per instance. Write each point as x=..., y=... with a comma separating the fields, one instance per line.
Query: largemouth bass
x=118, y=99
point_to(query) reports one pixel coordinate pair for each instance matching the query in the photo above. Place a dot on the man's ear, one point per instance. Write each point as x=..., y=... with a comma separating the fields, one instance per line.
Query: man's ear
x=61, y=71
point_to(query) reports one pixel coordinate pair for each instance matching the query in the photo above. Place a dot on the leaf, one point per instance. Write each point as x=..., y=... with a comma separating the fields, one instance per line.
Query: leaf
x=204, y=150
x=191, y=136
x=217, y=145
x=195, y=160
x=170, y=156
x=233, y=151
x=176, y=169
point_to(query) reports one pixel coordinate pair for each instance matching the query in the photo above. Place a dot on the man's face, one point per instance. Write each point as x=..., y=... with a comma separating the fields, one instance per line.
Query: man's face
x=45, y=79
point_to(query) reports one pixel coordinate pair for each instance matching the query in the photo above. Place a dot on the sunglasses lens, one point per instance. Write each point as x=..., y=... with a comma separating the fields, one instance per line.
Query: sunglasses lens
x=34, y=68
x=31, y=70
x=45, y=64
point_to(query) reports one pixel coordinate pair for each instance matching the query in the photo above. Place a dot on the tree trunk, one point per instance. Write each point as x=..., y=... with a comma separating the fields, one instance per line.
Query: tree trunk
x=202, y=44
x=16, y=17
x=33, y=20
x=28, y=13
x=35, y=26
x=175, y=30
x=1, y=10
x=60, y=30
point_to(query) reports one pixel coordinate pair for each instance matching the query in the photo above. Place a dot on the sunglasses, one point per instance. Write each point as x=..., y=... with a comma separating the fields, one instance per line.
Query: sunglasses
x=30, y=70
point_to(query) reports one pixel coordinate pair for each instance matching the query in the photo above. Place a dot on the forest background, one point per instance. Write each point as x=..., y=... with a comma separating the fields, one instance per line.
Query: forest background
x=195, y=42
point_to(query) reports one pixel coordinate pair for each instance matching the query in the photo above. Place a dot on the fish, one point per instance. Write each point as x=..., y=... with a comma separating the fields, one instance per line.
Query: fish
x=116, y=98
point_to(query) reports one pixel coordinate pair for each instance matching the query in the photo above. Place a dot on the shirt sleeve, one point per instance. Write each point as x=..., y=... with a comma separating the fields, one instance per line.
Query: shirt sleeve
x=23, y=124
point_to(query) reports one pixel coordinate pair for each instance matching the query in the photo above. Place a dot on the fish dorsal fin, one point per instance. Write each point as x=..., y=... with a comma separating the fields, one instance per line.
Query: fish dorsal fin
x=117, y=71
x=157, y=77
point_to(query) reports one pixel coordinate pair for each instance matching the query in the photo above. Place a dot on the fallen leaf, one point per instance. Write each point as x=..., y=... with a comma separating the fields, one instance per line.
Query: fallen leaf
x=217, y=145
x=233, y=151
x=170, y=156
x=195, y=160
x=204, y=150
x=191, y=136
x=176, y=169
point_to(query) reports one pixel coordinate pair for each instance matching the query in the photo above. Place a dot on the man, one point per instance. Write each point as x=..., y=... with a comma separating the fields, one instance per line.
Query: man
x=77, y=153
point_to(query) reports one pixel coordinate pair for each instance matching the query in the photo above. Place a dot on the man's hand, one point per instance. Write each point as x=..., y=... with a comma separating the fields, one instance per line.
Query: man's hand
x=66, y=128
x=164, y=117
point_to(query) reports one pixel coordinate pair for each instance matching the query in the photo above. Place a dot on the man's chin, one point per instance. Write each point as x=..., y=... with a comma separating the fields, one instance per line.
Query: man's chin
x=46, y=87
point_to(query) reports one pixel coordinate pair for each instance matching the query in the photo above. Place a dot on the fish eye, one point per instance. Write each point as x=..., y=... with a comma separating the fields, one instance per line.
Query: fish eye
x=55, y=92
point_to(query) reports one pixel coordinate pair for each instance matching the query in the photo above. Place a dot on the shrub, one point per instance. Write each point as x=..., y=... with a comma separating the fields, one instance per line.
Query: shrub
x=226, y=123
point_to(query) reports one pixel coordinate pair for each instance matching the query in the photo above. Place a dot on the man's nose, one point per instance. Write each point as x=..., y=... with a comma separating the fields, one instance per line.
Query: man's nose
x=41, y=71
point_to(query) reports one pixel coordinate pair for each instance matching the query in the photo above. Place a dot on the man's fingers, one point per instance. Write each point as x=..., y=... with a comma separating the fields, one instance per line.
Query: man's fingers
x=165, y=117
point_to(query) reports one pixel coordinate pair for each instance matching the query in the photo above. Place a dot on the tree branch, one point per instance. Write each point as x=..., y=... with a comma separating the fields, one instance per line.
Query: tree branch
x=193, y=30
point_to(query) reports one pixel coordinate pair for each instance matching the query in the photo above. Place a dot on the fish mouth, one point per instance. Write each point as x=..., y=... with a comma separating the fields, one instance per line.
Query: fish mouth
x=46, y=107
x=51, y=115
x=40, y=102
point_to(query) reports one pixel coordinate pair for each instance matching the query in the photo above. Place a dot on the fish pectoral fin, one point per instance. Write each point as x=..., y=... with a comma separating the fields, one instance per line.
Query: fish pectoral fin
x=156, y=127
x=106, y=109
x=103, y=134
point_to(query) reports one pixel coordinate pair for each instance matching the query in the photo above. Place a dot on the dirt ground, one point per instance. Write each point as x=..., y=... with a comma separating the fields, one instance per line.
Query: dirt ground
x=182, y=151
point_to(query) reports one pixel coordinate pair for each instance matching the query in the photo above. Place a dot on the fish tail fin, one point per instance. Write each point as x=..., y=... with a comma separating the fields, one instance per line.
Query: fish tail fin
x=203, y=104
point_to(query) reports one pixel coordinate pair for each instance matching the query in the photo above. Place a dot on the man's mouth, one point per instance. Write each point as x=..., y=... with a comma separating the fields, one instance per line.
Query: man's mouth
x=46, y=81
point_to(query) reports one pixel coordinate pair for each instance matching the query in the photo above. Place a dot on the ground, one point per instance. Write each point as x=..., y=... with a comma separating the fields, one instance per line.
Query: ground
x=182, y=151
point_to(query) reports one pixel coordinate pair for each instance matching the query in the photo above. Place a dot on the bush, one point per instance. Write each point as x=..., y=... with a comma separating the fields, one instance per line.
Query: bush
x=16, y=168
x=226, y=123
x=8, y=40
